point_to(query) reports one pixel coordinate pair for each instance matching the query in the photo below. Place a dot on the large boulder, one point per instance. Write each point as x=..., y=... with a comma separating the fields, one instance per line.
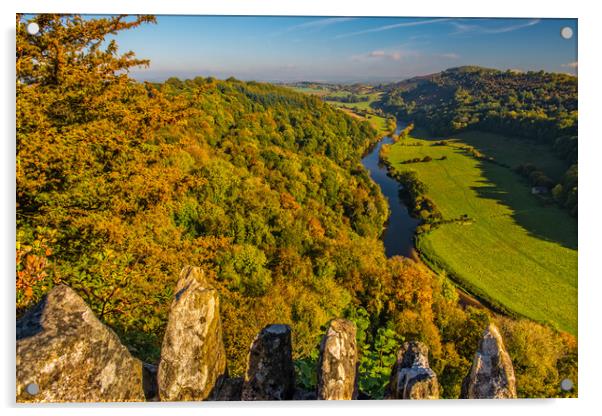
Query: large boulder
x=337, y=368
x=65, y=354
x=270, y=372
x=491, y=375
x=193, y=358
x=412, y=377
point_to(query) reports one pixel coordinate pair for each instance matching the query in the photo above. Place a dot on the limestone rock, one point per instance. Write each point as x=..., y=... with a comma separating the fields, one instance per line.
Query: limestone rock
x=491, y=375
x=270, y=372
x=65, y=354
x=193, y=358
x=412, y=377
x=337, y=368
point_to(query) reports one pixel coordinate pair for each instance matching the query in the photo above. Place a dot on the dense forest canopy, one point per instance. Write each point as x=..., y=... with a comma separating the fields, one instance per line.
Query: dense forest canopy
x=121, y=183
x=533, y=105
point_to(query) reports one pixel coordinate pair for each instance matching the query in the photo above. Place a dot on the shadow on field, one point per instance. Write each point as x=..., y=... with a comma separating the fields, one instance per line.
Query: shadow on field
x=544, y=221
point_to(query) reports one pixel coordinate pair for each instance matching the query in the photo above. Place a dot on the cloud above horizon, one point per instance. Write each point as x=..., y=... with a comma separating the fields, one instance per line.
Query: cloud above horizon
x=394, y=54
x=321, y=23
x=393, y=26
x=471, y=28
x=450, y=55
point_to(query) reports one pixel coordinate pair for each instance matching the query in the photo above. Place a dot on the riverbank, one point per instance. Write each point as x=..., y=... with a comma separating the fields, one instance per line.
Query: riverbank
x=400, y=227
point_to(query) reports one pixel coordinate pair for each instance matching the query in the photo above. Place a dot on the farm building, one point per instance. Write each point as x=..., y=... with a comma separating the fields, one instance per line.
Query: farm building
x=540, y=190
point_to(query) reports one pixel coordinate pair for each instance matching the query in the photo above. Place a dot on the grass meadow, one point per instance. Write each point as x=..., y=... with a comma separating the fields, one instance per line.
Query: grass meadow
x=361, y=110
x=519, y=253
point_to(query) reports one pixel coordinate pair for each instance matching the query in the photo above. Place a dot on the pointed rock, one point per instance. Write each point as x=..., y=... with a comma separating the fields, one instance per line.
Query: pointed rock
x=65, y=354
x=337, y=368
x=412, y=377
x=193, y=358
x=491, y=375
x=270, y=372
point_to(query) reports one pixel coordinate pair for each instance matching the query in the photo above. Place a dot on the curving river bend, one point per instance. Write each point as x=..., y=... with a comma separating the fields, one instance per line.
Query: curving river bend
x=398, y=236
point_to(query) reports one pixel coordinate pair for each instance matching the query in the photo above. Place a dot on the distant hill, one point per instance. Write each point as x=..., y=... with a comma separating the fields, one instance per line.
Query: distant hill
x=537, y=105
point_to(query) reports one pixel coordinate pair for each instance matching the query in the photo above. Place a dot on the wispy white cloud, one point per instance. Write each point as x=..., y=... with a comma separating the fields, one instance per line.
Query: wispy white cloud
x=320, y=23
x=395, y=55
x=381, y=54
x=472, y=28
x=393, y=26
x=450, y=55
x=311, y=26
x=573, y=65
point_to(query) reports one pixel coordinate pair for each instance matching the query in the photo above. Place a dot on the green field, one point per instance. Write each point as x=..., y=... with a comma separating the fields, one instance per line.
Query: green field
x=363, y=105
x=361, y=109
x=378, y=122
x=518, y=253
x=514, y=151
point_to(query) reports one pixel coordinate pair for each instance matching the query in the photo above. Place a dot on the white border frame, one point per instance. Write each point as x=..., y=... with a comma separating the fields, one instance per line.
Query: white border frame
x=590, y=340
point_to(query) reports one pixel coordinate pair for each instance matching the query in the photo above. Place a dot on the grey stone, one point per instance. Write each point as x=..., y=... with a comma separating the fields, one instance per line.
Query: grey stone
x=412, y=377
x=64, y=350
x=270, y=373
x=337, y=368
x=193, y=358
x=492, y=374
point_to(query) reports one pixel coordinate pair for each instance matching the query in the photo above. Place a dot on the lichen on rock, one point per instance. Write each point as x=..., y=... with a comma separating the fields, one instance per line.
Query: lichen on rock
x=65, y=354
x=270, y=373
x=193, y=358
x=412, y=377
x=492, y=374
x=337, y=365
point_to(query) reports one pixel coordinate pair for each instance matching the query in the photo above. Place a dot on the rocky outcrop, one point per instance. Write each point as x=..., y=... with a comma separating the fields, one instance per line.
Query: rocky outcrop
x=270, y=373
x=491, y=375
x=412, y=377
x=65, y=354
x=337, y=368
x=193, y=359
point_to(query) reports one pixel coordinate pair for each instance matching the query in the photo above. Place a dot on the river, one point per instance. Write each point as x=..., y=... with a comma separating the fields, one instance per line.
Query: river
x=398, y=236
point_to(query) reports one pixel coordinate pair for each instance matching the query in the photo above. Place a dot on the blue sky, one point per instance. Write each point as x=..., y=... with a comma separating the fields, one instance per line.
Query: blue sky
x=339, y=49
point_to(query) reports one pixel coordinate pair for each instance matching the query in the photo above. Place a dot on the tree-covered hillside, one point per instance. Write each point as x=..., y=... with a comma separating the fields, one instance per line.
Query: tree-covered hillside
x=535, y=105
x=120, y=184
